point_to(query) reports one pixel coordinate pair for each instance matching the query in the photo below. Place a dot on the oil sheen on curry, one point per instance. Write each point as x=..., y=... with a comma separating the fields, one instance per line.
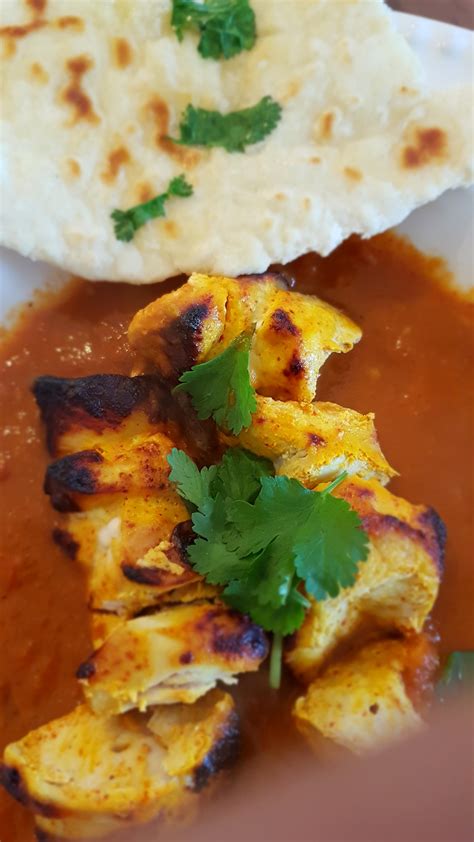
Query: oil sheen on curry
x=112, y=639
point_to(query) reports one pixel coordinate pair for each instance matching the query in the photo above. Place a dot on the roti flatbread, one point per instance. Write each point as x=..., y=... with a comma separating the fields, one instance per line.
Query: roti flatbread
x=92, y=90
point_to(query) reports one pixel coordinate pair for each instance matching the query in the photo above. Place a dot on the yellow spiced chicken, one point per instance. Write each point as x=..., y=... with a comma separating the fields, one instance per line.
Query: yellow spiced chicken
x=395, y=588
x=122, y=520
x=197, y=540
x=293, y=335
x=314, y=442
x=85, y=775
x=368, y=698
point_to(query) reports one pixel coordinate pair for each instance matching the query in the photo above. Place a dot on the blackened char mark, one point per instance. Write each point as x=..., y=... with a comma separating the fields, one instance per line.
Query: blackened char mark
x=12, y=781
x=430, y=534
x=71, y=475
x=97, y=402
x=64, y=539
x=222, y=755
x=85, y=670
x=43, y=835
x=181, y=537
x=246, y=640
x=282, y=278
x=280, y=322
x=436, y=536
x=295, y=368
x=152, y=576
x=186, y=658
x=183, y=337
x=316, y=441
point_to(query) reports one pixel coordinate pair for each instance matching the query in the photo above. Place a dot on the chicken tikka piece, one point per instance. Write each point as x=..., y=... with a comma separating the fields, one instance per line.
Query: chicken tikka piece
x=121, y=518
x=370, y=697
x=396, y=586
x=84, y=776
x=162, y=636
x=294, y=334
x=314, y=442
x=174, y=655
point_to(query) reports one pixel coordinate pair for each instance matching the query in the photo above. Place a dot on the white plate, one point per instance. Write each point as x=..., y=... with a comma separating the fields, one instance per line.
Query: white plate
x=444, y=227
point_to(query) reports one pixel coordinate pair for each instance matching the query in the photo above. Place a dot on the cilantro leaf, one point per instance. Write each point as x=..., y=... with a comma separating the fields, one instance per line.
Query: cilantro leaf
x=264, y=538
x=210, y=557
x=329, y=547
x=221, y=387
x=212, y=560
x=326, y=537
x=458, y=672
x=211, y=518
x=193, y=484
x=127, y=222
x=240, y=472
x=233, y=131
x=282, y=502
x=284, y=620
x=226, y=27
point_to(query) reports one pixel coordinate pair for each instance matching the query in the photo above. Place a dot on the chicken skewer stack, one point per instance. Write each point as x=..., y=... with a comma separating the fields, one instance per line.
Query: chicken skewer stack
x=162, y=637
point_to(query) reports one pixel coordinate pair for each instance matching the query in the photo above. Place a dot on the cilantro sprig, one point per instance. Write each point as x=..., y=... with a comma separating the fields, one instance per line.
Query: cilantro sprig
x=458, y=673
x=233, y=131
x=221, y=387
x=226, y=27
x=127, y=222
x=267, y=540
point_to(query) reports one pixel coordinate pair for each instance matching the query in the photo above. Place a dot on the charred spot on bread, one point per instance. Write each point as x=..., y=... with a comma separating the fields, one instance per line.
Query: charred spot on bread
x=429, y=145
x=74, y=94
x=116, y=159
x=123, y=52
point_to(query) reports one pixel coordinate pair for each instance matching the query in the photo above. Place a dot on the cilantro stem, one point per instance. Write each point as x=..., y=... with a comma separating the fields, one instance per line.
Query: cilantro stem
x=275, y=661
x=332, y=485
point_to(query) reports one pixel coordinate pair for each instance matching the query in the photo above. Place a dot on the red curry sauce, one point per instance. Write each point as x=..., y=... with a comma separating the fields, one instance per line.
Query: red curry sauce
x=413, y=368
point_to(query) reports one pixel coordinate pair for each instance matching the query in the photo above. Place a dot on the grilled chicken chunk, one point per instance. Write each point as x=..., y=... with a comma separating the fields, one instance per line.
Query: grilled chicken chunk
x=314, y=442
x=78, y=413
x=367, y=700
x=137, y=465
x=111, y=410
x=124, y=521
x=294, y=333
x=175, y=655
x=134, y=552
x=395, y=588
x=84, y=776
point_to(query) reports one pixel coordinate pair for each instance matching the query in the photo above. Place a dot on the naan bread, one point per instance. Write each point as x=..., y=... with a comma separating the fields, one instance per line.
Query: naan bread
x=92, y=87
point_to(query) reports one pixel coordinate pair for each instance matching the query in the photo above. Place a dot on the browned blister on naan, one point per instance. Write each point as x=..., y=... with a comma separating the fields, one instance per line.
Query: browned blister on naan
x=93, y=95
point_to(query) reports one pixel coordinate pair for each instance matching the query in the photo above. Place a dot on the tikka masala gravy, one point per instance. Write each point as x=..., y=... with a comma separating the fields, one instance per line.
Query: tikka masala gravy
x=413, y=368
